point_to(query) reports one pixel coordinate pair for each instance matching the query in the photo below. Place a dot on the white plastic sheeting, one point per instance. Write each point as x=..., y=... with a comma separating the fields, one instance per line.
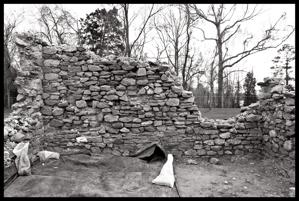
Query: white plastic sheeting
x=166, y=176
x=44, y=155
x=22, y=161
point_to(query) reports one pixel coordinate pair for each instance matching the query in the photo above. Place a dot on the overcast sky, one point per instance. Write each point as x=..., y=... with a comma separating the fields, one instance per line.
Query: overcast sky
x=260, y=63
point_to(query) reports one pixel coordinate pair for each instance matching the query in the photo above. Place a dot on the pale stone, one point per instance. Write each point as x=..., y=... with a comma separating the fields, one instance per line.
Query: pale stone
x=288, y=145
x=51, y=76
x=158, y=90
x=128, y=81
x=141, y=72
x=94, y=68
x=50, y=50
x=110, y=118
x=225, y=135
x=57, y=111
x=51, y=63
x=124, y=130
x=20, y=42
x=173, y=102
x=272, y=133
x=81, y=104
x=146, y=123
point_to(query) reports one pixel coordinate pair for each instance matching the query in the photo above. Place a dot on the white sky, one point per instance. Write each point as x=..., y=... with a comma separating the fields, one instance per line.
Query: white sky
x=260, y=63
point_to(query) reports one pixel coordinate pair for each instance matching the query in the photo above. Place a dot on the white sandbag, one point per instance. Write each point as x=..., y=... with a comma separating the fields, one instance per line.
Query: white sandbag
x=81, y=139
x=44, y=155
x=22, y=161
x=166, y=176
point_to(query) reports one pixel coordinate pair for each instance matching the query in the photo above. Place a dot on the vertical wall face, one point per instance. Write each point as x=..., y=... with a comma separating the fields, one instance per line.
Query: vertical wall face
x=277, y=109
x=25, y=122
x=121, y=105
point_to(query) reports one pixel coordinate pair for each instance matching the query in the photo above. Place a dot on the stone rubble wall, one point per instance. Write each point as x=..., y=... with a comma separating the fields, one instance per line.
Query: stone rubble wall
x=277, y=109
x=25, y=121
x=120, y=105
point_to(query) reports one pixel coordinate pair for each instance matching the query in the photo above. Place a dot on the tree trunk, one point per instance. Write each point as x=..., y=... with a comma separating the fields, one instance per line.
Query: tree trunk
x=220, y=68
x=126, y=23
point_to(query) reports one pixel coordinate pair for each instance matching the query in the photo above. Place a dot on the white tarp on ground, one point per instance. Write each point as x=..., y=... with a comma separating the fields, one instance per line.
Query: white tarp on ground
x=166, y=176
x=22, y=161
x=44, y=155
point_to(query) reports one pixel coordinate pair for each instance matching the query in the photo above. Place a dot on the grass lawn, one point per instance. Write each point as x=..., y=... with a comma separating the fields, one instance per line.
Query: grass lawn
x=219, y=113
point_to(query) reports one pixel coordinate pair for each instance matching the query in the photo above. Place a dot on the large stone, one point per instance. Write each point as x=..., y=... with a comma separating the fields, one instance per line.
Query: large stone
x=214, y=161
x=110, y=118
x=128, y=81
x=18, y=137
x=124, y=98
x=56, y=123
x=277, y=89
x=141, y=72
x=209, y=142
x=94, y=68
x=158, y=90
x=142, y=82
x=290, y=101
x=173, y=102
x=94, y=88
x=189, y=100
x=219, y=141
x=81, y=104
x=51, y=63
x=20, y=42
x=124, y=130
x=118, y=125
x=252, y=117
x=187, y=94
x=177, y=89
x=272, y=133
x=288, y=145
x=103, y=105
x=146, y=123
x=51, y=76
x=50, y=50
x=57, y=111
x=125, y=119
x=225, y=135
x=111, y=97
x=46, y=110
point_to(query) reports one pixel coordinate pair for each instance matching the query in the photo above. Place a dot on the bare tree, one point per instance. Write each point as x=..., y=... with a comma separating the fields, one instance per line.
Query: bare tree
x=175, y=33
x=127, y=23
x=57, y=25
x=226, y=29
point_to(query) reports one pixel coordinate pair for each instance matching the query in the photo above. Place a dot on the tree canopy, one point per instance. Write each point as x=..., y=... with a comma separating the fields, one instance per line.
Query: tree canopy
x=102, y=32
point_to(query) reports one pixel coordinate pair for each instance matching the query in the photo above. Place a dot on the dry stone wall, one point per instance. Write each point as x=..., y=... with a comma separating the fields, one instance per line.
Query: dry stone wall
x=120, y=105
x=277, y=110
x=25, y=121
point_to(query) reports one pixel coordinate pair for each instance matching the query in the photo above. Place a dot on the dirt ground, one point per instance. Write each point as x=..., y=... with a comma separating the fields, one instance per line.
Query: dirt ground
x=247, y=176
x=111, y=176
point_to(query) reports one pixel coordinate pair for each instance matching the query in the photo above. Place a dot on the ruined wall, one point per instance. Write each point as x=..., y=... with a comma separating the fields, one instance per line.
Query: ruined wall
x=277, y=109
x=25, y=121
x=120, y=104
